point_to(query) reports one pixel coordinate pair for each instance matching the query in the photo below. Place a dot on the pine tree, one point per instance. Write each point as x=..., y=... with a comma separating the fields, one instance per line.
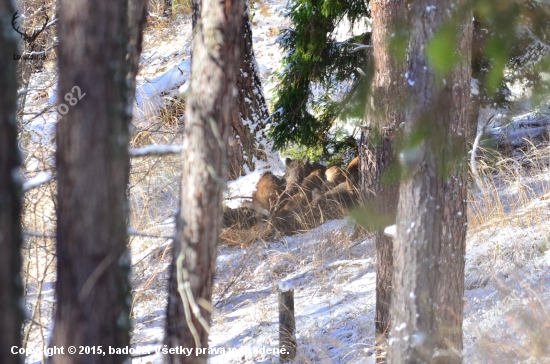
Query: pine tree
x=316, y=68
x=428, y=254
x=384, y=114
x=322, y=81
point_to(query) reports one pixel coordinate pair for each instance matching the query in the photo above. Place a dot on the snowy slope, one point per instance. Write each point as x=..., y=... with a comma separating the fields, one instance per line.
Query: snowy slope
x=333, y=272
x=507, y=296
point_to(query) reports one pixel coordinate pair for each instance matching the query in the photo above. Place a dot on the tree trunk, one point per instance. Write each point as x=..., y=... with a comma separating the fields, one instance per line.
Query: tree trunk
x=250, y=110
x=137, y=20
x=435, y=135
x=384, y=114
x=247, y=142
x=196, y=6
x=209, y=105
x=11, y=295
x=450, y=291
x=93, y=262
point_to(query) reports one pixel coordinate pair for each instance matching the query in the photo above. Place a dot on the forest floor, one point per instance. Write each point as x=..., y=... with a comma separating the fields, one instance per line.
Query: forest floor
x=333, y=272
x=332, y=268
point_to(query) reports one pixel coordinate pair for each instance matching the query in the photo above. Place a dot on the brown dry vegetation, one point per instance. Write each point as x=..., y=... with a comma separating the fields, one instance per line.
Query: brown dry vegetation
x=304, y=202
x=508, y=229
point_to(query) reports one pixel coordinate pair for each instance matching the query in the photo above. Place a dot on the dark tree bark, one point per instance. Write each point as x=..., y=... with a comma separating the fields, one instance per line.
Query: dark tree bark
x=450, y=290
x=250, y=110
x=432, y=201
x=137, y=20
x=11, y=294
x=383, y=116
x=209, y=104
x=93, y=262
x=196, y=6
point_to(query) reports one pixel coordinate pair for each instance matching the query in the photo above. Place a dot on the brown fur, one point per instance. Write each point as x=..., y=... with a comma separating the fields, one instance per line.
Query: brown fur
x=291, y=208
x=268, y=191
x=296, y=172
x=342, y=195
x=315, y=181
x=295, y=203
x=335, y=175
x=334, y=204
x=298, y=213
x=310, y=204
x=353, y=172
x=316, y=166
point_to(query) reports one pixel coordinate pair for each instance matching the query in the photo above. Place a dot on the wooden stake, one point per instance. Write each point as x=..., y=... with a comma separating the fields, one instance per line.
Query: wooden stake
x=287, y=325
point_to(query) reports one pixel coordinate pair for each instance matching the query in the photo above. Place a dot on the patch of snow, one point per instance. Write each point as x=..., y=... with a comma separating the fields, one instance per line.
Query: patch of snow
x=391, y=231
x=150, y=94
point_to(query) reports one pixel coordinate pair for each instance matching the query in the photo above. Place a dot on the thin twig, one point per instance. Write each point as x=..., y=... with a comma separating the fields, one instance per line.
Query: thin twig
x=473, y=163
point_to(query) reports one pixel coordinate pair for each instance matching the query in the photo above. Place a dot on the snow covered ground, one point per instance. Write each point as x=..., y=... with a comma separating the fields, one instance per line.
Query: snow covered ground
x=331, y=268
x=333, y=273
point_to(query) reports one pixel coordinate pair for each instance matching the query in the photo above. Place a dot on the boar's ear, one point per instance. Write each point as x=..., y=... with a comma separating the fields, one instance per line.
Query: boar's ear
x=288, y=161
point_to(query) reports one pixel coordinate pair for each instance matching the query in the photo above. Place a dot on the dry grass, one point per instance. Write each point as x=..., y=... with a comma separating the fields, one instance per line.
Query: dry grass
x=38, y=215
x=510, y=187
x=273, y=31
x=515, y=196
x=509, y=234
x=182, y=7
x=506, y=272
x=300, y=219
x=156, y=7
x=245, y=238
x=174, y=112
x=263, y=8
x=522, y=333
x=153, y=196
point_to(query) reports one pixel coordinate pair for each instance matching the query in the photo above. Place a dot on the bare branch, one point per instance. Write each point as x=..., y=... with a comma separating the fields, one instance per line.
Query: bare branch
x=150, y=150
x=37, y=181
x=473, y=163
